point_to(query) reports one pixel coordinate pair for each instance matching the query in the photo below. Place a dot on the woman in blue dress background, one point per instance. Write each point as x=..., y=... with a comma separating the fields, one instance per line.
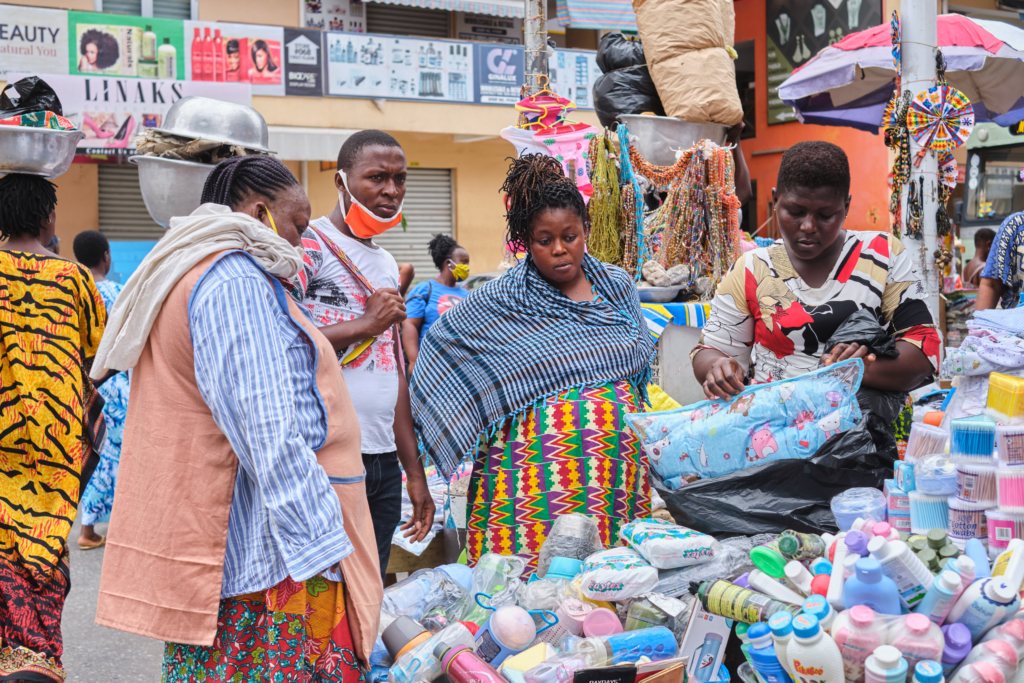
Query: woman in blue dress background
x=429, y=300
x=93, y=251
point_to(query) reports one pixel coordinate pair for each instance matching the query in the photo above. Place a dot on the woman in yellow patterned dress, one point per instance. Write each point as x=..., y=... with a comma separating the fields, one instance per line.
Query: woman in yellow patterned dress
x=51, y=321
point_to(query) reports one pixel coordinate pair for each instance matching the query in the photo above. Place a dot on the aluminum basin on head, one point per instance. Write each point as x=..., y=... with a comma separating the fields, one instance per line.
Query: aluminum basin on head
x=658, y=137
x=170, y=187
x=37, y=151
x=217, y=121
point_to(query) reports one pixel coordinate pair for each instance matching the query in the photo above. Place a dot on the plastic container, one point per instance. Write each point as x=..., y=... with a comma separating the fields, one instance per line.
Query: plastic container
x=1009, y=566
x=871, y=587
x=794, y=545
x=858, y=632
x=643, y=613
x=940, y=597
x=998, y=652
x=918, y=639
x=819, y=585
x=981, y=672
x=763, y=583
x=781, y=625
x=975, y=550
x=935, y=475
x=798, y=576
x=403, y=634
x=420, y=665
x=510, y=630
x=928, y=672
x=763, y=656
x=768, y=559
x=462, y=665
x=627, y=648
x=558, y=669
x=819, y=607
x=571, y=614
x=741, y=604
x=983, y=605
x=820, y=566
x=899, y=563
x=858, y=502
x=564, y=568
x=812, y=654
x=958, y=646
x=857, y=542
x=885, y=665
x=838, y=577
x=601, y=622
x=963, y=567
x=1011, y=632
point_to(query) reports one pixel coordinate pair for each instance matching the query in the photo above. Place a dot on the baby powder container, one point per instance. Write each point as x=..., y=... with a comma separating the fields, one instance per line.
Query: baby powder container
x=1012, y=632
x=763, y=657
x=813, y=655
x=858, y=633
x=918, y=639
x=869, y=586
x=958, y=646
x=983, y=605
x=997, y=652
x=885, y=665
x=928, y=672
x=781, y=625
x=980, y=672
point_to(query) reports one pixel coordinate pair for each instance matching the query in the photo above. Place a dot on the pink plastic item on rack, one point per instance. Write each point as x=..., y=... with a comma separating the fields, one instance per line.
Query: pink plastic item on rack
x=569, y=145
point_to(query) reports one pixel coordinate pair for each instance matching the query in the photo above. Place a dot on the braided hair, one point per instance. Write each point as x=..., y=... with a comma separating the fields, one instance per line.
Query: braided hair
x=441, y=248
x=233, y=180
x=535, y=182
x=26, y=201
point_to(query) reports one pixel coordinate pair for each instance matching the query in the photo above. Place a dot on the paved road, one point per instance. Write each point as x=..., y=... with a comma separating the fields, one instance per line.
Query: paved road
x=92, y=653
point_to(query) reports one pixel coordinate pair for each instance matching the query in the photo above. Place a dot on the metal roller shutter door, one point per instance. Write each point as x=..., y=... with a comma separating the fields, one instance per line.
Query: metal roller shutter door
x=399, y=20
x=428, y=211
x=123, y=214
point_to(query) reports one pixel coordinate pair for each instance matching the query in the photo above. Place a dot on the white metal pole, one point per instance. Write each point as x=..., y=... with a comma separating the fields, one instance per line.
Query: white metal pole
x=536, y=29
x=919, y=41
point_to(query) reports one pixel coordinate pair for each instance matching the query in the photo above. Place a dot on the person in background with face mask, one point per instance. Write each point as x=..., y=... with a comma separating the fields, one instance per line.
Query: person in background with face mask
x=779, y=305
x=429, y=300
x=350, y=287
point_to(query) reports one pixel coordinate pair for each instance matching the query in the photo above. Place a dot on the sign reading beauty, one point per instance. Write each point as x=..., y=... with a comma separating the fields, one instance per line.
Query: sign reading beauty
x=33, y=39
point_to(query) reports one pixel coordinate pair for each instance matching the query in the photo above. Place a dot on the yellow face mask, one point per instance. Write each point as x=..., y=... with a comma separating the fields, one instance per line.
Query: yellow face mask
x=460, y=271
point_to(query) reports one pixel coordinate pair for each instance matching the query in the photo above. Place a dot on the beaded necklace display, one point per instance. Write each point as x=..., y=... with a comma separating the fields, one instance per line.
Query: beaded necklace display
x=700, y=215
x=605, y=205
x=627, y=217
x=915, y=209
x=897, y=137
x=636, y=224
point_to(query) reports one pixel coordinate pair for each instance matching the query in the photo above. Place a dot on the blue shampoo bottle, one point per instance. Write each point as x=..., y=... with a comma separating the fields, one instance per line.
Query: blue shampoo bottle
x=869, y=586
x=762, y=652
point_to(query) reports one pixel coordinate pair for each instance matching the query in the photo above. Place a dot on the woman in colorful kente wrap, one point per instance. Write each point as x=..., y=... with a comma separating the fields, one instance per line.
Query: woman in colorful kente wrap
x=530, y=376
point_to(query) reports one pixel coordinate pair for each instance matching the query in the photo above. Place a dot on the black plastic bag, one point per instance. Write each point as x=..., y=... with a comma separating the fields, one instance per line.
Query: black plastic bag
x=796, y=494
x=33, y=94
x=626, y=86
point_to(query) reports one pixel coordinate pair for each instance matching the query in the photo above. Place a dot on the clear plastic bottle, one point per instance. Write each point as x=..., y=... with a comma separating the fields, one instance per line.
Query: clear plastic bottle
x=1012, y=632
x=981, y=672
x=655, y=643
x=813, y=655
x=858, y=632
x=998, y=652
x=419, y=665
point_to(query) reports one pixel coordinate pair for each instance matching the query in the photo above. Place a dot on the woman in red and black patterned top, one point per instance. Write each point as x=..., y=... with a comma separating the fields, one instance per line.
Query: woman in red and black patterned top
x=774, y=312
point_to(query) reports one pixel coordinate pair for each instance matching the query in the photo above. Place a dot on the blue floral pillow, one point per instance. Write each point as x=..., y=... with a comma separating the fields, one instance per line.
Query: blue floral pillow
x=778, y=421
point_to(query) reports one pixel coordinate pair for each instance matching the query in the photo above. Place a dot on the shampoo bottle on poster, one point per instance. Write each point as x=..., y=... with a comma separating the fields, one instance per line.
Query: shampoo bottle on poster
x=218, y=57
x=207, y=55
x=148, y=45
x=167, y=61
x=196, y=54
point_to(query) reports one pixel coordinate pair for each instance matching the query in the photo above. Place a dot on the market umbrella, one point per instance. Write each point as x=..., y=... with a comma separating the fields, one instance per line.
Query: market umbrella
x=850, y=83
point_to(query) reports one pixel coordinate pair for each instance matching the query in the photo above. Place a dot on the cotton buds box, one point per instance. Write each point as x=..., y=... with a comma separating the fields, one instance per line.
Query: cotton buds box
x=976, y=484
x=1006, y=398
x=668, y=546
x=973, y=440
x=1010, y=445
x=1002, y=528
x=966, y=521
x=617, y=574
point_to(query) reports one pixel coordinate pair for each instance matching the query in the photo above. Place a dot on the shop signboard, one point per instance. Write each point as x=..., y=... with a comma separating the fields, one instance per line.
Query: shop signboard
x=113, y=111
x=303, y=62
x=572, y=74
x=798, y=29
x=500, y=72
x=486, y=28
x=235, y=53
x=346, y=16
x=394, y=67
x=33, y=40
x=125, y=46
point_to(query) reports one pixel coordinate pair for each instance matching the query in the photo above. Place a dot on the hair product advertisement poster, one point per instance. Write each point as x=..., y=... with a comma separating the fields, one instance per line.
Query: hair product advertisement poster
x=126, y=46
x=235, y=53
x=303, y=62
x=399, y=68
x=113, y=111
x=334, y=15
x=33, y=39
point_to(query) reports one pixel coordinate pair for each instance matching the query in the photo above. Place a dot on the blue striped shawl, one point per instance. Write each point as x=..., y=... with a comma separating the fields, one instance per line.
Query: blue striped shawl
x=516, y=341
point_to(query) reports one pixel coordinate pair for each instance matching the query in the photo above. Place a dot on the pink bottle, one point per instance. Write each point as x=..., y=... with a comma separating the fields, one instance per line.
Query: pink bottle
x=997, y=652
x=207, y=55
x=979, y=672
x=857, y=632
x=464, y=666
x=197, y=56
x=918, y=639
x=1012, y=632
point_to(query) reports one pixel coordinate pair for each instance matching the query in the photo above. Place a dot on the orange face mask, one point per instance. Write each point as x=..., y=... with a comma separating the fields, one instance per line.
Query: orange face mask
x=363, y=223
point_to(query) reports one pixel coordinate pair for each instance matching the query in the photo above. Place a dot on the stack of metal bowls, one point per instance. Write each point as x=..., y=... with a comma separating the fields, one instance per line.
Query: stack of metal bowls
x=37, y=151
x=657, y=138
x=174, y=188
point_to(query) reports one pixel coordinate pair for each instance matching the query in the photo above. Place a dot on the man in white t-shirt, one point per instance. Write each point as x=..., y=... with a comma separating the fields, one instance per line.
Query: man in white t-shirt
x=340, y=260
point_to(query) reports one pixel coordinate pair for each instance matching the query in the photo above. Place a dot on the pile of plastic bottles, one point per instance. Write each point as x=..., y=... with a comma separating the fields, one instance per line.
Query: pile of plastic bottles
x=861, y=606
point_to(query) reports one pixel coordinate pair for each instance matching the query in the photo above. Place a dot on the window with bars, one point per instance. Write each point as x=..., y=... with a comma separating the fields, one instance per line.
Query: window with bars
x=164, y=9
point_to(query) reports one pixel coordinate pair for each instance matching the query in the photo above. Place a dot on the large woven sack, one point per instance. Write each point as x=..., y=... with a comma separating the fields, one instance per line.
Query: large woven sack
x=669, y=27
x=699, y=86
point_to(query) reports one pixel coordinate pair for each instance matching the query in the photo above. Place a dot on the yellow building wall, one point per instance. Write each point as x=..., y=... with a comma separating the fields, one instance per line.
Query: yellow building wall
x=78, y=207
x=269, y=12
